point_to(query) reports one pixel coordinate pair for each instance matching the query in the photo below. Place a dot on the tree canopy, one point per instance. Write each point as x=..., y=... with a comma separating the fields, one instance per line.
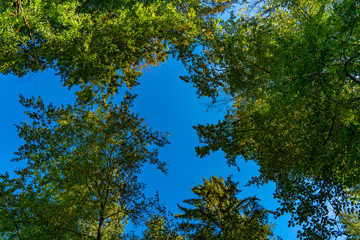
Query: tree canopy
x=99, y=45
x=288, y=70
x=81, y=173
x=80, y=179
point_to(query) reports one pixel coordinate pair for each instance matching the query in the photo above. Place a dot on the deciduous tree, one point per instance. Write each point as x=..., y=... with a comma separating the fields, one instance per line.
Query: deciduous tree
x=289, y=73
x=80, y=177
x=96, y=44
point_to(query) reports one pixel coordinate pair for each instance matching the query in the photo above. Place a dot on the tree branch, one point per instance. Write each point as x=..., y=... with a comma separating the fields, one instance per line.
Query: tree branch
x=346, y=66
x=330, y=131
x=184, y=4
x=18, y=232
x=20, y=11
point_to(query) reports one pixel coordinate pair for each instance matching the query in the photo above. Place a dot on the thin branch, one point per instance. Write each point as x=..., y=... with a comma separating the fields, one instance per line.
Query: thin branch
x=113, y=214
x=254, y=64
x=184, y=4
x=351, y=77
x=18, y=232
x=305, y=14
x=346, y=66
x=20, y=11
x=258, y=66
x=56, y=135
x=330, y=131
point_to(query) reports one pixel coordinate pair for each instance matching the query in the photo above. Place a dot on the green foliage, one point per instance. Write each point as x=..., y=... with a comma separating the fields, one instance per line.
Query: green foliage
x=160, y=228
x=289, y=72
x=81, y=173
x=350, y=217
x=98, y=45
x=351, y=224
x=80, y=180
x=218, y=214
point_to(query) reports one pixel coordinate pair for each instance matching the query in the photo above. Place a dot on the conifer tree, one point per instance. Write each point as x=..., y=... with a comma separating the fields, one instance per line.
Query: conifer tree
x=217, y=213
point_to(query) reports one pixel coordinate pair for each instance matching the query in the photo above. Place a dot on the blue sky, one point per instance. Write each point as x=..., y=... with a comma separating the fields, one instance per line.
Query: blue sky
x=169, y=105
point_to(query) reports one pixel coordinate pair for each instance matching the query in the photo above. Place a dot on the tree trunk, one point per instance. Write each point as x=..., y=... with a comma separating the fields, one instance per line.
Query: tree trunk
x=100, y=227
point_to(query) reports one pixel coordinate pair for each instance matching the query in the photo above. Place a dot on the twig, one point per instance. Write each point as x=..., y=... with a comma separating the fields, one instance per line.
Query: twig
x=330, y=131
x=184, y=4
x=20, y=11
x=18, y=232
x=346, y=66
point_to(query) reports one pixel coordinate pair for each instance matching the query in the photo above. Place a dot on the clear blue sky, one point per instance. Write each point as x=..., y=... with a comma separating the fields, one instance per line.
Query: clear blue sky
x=167, y=104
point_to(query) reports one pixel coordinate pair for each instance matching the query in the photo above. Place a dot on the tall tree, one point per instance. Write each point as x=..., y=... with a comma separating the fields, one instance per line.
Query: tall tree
x=81, y=176
x=81, y=173
x=217, y=213
x=289, y=72
x=98, y=44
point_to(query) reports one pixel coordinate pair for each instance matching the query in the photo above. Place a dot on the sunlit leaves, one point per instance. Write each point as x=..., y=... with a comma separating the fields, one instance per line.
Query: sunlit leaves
x=288, y=70
x=99, y=45
x=81, y=175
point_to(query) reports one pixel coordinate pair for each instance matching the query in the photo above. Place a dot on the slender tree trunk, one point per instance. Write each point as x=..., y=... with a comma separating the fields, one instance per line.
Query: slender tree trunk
x=102, y=213
x=101, y=221
x=100, y=227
